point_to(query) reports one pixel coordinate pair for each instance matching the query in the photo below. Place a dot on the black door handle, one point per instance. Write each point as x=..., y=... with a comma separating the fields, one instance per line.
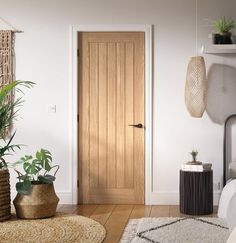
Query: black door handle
x=137, y=125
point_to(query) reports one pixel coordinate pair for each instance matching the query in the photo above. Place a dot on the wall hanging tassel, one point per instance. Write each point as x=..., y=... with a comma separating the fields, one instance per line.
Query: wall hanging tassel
x=196, y=87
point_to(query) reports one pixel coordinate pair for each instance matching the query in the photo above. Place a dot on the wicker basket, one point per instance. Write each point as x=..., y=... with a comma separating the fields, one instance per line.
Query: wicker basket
x=5, y=196
x=40, y=203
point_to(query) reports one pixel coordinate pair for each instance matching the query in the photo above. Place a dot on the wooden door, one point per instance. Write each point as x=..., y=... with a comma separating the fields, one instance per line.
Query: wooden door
x=111, y=97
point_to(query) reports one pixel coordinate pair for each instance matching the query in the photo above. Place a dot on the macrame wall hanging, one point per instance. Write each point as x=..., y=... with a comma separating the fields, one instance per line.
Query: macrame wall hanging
x=7, y=39
x=196, y=82
x=6, y=57
x=6, y=62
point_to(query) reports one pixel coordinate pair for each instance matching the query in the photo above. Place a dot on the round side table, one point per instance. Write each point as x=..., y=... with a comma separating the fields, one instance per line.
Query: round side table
x=196, y=192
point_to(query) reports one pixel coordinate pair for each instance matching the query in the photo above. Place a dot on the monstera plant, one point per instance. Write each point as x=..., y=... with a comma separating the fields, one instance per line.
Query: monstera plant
x=36, y=196
x=36, y=171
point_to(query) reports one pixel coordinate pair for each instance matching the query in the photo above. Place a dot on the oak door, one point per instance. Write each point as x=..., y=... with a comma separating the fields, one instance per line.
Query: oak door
x=111, y=98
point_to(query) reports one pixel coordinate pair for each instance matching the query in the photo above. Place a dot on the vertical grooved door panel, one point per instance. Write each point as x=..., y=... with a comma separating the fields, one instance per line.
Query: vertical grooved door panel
x=111, y=104
x=102, y=108
x=93, y=114
x=120, y=138
x=129, y=102
x=111, y=97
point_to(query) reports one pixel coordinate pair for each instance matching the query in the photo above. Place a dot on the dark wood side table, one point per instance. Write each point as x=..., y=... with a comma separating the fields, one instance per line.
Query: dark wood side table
x=196, y=192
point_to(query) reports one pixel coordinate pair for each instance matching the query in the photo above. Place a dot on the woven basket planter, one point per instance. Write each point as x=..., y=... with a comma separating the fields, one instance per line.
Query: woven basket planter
x=5, y=195
x=40, y=203
x=196, y=87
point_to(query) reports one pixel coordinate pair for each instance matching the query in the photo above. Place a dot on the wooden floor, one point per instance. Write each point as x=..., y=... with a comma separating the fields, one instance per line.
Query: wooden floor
x=115, y=217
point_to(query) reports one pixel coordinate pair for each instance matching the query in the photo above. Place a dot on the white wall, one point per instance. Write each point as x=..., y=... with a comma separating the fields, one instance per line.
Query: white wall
x=42, y=55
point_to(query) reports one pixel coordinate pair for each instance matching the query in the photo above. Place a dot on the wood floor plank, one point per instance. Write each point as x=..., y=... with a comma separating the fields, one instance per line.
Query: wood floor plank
x=175, y=212
x=86, y=209
x=102, y=213
x=160, y=211
x=116, y=217
x=117, y=222
x=140, y=211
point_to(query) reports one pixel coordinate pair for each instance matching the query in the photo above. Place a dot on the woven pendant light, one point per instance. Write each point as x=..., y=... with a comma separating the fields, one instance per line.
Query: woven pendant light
x=196, y=82
x=196, y=87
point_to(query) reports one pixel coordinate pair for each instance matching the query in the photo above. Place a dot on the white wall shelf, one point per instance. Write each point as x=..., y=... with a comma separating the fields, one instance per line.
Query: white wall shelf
x=219, y=49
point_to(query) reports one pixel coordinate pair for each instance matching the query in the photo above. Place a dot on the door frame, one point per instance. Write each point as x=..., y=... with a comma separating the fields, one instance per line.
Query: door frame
x=148, y=84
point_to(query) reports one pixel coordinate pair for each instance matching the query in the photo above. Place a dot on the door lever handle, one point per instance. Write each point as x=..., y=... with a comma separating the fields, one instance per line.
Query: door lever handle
x=136, y=125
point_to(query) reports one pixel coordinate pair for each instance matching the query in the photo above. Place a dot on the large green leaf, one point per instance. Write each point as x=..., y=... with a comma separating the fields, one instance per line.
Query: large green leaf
x=44, y=156
x=48, y=179
x=8, y=110
x=32, y=168
x=9, y=148
x=23, y=187
x=27, y=158
x=9, y=87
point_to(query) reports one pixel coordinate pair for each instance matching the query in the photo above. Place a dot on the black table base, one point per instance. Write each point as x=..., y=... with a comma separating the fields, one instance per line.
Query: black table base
x=196, y=192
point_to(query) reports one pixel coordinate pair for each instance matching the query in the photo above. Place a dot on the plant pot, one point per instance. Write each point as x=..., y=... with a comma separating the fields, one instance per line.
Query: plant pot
x=5, y=195
x=40, y=203
x=227, y=38
x=222, y=39
x=216, y=39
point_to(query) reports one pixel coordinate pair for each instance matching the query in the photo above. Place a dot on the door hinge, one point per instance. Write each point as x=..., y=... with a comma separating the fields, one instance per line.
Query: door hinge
x=77, y=52
x=77, y=183
x=77, y=118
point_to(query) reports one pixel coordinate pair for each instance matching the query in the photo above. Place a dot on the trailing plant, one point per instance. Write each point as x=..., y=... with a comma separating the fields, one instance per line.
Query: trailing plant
x=8, y=113
x=36, y=171
x=194, y=154
x=223, y=25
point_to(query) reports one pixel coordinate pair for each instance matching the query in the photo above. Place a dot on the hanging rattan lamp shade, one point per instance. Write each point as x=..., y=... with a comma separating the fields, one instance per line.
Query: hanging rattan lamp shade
x=196, y=87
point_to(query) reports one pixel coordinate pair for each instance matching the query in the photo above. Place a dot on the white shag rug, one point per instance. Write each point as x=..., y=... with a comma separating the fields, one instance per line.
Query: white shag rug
x=176, y=230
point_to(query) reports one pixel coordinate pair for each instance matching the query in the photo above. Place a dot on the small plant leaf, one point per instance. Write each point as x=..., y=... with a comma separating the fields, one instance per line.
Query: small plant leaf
x=32, y=168
x=48, y=179
x=44, y=156
x=23, y=177
x=23, y=187
x=223, y=25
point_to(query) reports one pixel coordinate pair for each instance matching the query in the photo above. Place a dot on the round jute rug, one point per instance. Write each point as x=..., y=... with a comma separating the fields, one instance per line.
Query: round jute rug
x=62, y=228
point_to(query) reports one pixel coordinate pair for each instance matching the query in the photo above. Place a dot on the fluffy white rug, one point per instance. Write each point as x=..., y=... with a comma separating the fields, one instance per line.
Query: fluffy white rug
x=176, y=230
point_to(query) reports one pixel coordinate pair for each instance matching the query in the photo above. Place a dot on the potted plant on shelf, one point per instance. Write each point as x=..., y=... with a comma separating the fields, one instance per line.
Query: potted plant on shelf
x=223, y=28
x=36, y=197
x=8, y=114
x=194, y=154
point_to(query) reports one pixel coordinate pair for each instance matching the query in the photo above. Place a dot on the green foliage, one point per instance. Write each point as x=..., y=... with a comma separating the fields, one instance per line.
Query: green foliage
x=194, y=154
x=8, y=113
x=46, y=179
x=9, y=109
x=223, y=25
x=46, y=158
x=7, y=150
x=23, y=187
x=32, y=167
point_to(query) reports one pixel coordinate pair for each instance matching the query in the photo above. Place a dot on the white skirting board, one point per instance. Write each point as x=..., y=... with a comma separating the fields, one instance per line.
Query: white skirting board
x=172, y=198
x=65, y=197
x=156, y=198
